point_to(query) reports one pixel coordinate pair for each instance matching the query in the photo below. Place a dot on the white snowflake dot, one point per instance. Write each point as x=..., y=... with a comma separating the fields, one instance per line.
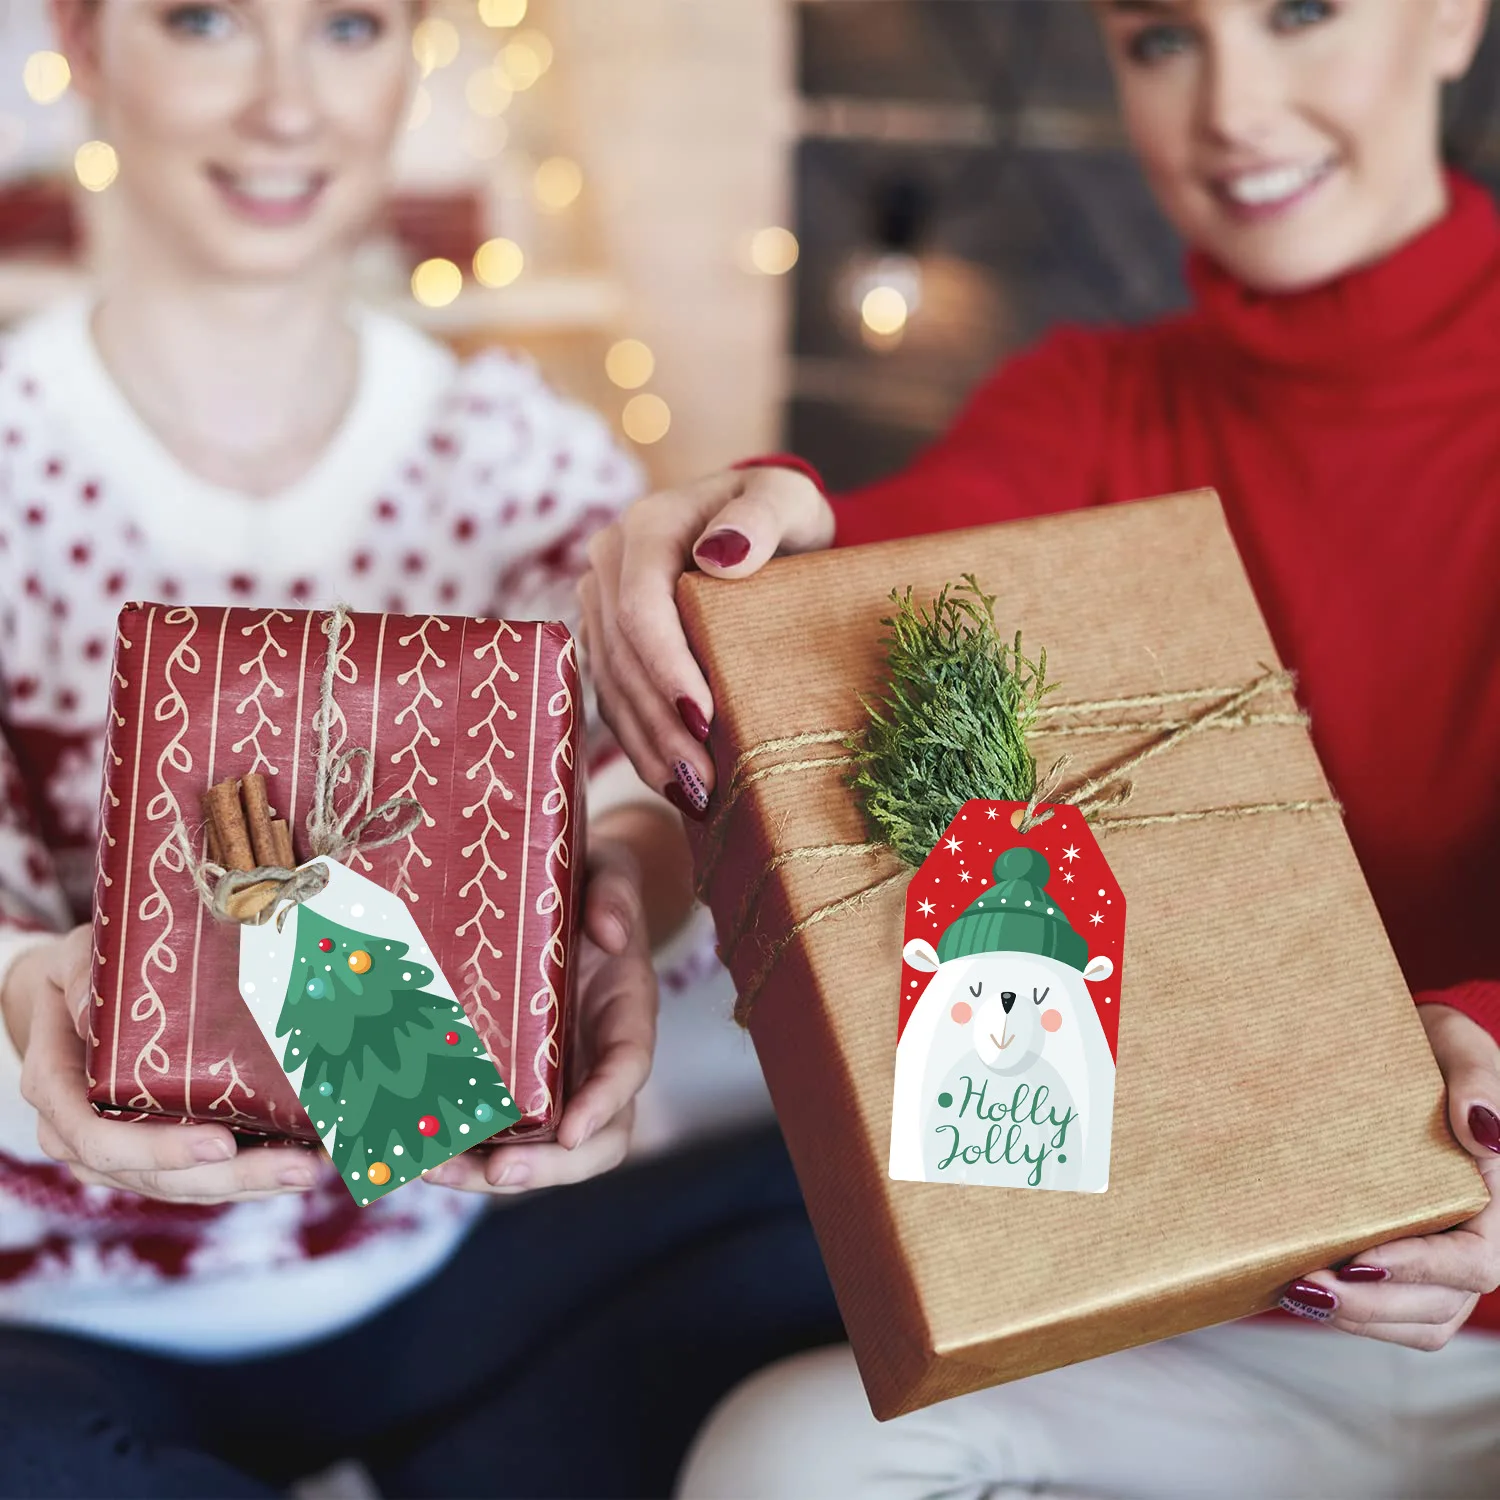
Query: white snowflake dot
x=354, y=1176
x=406, y=976
x=296, y=1052
x=463, y=1130
x=249, y=987
x=356, y=910
x=398, y=1150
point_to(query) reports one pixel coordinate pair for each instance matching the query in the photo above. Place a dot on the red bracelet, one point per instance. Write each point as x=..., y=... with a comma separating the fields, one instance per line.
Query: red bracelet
x=785, y=461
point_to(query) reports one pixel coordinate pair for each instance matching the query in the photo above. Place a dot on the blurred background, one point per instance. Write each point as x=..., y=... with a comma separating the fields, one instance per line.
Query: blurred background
x=731, y=225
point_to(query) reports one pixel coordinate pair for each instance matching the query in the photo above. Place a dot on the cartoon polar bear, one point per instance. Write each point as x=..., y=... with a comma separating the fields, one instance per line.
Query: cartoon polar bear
x=1003, y=1073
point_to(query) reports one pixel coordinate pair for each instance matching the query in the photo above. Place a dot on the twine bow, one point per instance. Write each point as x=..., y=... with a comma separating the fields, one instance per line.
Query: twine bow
x=332, y=834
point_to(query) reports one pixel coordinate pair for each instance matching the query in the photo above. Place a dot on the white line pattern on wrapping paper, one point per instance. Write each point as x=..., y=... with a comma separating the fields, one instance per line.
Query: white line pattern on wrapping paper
x=402, y=885
x=476, y=986
x=257, y=664
x=234, y=1082
x=107, y=800
x=546, y=1001
x=148, y=1008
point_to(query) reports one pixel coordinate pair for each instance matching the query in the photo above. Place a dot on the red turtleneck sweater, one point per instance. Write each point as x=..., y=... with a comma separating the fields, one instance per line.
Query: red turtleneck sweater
x=1353, y=433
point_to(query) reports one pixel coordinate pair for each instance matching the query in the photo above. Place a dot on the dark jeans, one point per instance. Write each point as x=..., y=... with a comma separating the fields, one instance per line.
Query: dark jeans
x=571, y=1347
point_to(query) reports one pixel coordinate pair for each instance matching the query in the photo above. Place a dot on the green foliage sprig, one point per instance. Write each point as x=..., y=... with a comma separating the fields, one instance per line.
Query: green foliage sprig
x=953, y=723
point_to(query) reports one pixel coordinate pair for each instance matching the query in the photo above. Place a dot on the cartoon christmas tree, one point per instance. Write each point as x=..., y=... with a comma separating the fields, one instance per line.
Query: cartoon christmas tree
x=394, y=1077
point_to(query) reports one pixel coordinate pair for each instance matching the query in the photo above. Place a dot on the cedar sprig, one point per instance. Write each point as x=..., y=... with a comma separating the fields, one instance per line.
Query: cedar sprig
x=953, y=723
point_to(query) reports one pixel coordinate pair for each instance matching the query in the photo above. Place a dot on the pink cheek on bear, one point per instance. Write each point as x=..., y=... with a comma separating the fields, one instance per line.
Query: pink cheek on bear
x=962, y=1012
x=1051, y=1020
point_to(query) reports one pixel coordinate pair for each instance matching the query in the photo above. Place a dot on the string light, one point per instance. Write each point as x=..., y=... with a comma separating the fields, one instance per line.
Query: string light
x=421, y=108
x=558, y=183
x=488, y=92
x=883, y=311
x=46, y=76
x=773, y=250
x=630, y=364
x=646, y=419
x=498, y=262
x=96, y=165
x=436, y=282
x=434, y=43
x=500, y=13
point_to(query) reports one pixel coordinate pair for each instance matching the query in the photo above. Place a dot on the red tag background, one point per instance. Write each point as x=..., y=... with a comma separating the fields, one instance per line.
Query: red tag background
x=1081, y=885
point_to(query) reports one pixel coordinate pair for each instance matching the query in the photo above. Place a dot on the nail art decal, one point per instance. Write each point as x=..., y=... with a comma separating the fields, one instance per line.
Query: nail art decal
x=1305, y=1299
x=692, y=785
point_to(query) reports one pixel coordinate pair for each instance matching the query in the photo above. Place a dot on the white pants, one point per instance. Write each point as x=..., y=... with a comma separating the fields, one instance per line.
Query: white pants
x=1252, y=1410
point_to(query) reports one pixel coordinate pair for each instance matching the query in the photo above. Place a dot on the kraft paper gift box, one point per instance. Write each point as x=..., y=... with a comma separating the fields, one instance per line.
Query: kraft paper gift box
x=480, y=720
x=1247, y=934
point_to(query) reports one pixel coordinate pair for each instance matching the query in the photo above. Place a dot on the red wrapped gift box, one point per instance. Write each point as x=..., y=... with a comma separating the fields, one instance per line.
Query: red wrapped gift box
x=480, y=720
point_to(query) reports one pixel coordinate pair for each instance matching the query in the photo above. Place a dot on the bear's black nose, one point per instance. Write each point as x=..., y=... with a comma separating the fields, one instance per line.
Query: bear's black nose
x=1007, y=999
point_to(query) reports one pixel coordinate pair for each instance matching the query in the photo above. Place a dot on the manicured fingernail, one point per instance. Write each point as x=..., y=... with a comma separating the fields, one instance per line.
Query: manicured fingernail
x=1308, y=1300
x=1484, y=1125
x=692, y=785
x=516, y=1174
x=723, y=548
x=1363, y=1273
x=296, y=1177
x=589, y=1127
x=678, y=798
x=213, y=1150
x=692, y=716
x=443, y=1175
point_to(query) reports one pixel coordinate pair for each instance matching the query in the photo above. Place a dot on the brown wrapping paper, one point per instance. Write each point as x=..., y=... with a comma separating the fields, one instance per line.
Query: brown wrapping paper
x=1277, y=1106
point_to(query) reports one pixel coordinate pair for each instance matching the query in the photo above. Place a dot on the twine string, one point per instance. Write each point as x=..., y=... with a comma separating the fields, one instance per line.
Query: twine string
x=1096, y=799
x=332, y=833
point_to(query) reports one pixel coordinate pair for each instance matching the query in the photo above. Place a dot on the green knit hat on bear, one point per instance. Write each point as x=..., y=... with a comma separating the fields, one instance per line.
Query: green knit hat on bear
x=1016, y=915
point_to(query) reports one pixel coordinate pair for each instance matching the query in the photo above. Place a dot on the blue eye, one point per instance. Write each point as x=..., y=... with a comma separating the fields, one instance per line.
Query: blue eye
x=1157, y=42
x=202, y=22
x=353, y=28
x=1298, y=15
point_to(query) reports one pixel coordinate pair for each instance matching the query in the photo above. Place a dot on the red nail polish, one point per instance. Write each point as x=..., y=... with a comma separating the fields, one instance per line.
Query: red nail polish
x=1309, y=1300
x=1485, y=1127
x=1363, y=1273
x=678, y=798
x=723, y=548
x=692, y=717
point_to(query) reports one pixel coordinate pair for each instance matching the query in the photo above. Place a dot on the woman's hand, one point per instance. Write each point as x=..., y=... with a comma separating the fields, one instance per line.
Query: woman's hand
x=651, y=692
x=1420, y=1292
x=616, y=1037
x=45, y=999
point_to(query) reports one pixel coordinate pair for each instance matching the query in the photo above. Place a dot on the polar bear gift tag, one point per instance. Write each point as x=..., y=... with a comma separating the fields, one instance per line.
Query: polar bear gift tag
x=1012, y=957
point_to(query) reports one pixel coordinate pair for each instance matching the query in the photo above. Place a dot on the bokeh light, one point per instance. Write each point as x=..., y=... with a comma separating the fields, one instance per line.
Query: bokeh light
x=646, y=419
x=488, y=93
x=434, y=43
x=498, y=262
x=539, y=45
x=559, y=181
x=436, y=282
x=773, y=250
x=521, y=64
x=883, y=310
x=46, y=76
x=502, y=12
x=630, y=364
x=96, y=165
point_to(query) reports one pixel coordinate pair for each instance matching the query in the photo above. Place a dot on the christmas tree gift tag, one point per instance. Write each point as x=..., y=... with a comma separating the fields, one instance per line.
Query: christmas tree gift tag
x=388, y=1067
x=1005, y=1063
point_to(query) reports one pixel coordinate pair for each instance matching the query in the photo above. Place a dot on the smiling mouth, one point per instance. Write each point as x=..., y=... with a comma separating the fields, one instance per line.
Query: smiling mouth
x=1001, y=1046
x=1255, y=194
x=270, y=197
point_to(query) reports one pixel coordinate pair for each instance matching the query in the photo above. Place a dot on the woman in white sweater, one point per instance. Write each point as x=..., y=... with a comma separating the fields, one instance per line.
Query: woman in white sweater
x=222, y=425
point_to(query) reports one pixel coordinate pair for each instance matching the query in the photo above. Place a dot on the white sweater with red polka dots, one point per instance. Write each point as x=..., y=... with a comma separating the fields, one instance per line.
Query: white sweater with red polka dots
x=466, y=488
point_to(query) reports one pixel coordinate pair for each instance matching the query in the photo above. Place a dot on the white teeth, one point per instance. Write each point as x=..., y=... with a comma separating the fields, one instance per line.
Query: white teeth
x=1256, y=189
x=274, y=187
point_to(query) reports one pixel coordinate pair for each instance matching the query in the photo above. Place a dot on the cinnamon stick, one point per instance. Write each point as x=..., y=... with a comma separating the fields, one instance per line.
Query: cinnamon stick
x=282, y=836
x=215, y=848
x=227, y=819
x=258, y=819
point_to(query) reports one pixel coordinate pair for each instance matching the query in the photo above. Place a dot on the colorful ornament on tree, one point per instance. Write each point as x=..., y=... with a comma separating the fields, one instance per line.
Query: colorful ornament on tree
x=379, y=1043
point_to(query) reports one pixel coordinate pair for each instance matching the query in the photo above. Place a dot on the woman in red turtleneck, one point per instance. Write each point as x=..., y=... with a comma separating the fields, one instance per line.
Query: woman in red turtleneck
x=1338, y=382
